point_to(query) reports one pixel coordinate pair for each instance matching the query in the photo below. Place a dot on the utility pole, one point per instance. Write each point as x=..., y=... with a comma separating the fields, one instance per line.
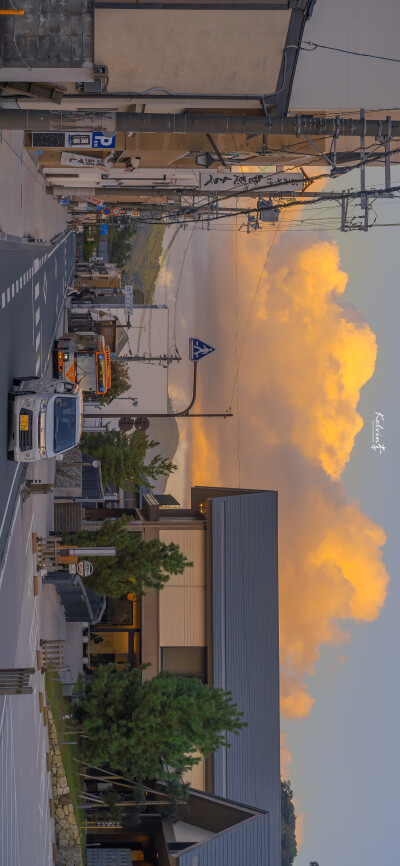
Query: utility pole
x=223, y=124
x=141, y=422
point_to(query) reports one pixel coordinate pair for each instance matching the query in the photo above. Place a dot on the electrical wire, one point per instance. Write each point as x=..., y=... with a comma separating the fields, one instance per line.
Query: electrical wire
x=315, y=45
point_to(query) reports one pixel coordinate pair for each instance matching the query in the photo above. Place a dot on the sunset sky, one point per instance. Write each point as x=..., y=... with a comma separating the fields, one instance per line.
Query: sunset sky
x=302, y=320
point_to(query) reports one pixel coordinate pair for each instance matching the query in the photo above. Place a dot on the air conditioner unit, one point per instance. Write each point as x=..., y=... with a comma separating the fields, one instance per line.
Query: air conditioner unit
x=95, y=86
x=99, y=82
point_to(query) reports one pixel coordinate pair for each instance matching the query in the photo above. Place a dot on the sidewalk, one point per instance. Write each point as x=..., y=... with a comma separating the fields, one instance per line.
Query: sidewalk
x=25, y=209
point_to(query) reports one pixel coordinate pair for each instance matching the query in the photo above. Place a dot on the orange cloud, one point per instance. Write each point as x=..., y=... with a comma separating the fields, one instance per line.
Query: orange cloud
x=301, y=818
x=305, y=358
x=286, y=757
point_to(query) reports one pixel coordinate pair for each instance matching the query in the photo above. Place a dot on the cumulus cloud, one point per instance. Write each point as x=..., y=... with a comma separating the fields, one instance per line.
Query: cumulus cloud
x=303, y=362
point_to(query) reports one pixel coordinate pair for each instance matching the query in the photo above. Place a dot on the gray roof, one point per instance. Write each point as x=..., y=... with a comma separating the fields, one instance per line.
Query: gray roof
x=245, y=634
x=242, y=845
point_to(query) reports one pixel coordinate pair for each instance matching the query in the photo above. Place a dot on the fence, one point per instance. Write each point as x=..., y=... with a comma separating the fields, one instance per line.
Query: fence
x=53, y=654
x=48, y=552
x=15, y=681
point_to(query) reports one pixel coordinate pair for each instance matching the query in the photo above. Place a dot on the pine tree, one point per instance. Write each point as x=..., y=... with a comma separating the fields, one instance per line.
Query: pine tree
x=154, y=729
x=123, y=456
x=138, y=564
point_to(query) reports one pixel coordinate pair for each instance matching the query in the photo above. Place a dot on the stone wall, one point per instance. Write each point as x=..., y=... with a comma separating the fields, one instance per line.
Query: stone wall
x=67, y=833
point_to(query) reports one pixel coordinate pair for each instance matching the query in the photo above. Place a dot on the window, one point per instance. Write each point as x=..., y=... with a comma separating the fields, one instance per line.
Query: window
x=185, y=661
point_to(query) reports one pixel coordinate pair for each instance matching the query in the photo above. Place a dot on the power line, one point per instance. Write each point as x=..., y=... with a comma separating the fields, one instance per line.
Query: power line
x=315, y=45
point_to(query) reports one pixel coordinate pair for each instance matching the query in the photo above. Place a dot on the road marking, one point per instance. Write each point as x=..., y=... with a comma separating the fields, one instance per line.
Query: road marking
x=8, y=294
x=3, y=300
x=37, y=366
x=7, y=548
x=37, y=286
x=20, y=282
x=6, y=699
x=29, y=541
x=37, y=341
x=36, y=266
x=37, y=317
x=12, y=290
x=45, y=288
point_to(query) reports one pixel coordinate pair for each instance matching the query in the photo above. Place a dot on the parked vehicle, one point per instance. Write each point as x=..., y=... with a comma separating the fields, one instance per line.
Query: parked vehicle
x=85, y=359
x=45, y=418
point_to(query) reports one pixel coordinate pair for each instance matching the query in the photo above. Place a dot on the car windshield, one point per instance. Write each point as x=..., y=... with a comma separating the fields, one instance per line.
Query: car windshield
x=64, y=423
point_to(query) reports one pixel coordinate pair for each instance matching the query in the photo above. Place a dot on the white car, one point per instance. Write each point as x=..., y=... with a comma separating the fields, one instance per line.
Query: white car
x=45, y=418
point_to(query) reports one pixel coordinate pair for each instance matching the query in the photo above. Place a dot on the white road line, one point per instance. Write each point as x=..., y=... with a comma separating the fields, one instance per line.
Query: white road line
x=12, y=290
x=37, y=316
x=7, y=549
x=6, y=509
x=3, y=300
x=8, y=294
x=37, y=286
x=29, y=536
x=20, y=282
x=6, y=699
x=36, y=266
x=37, y=344
x=37, y=367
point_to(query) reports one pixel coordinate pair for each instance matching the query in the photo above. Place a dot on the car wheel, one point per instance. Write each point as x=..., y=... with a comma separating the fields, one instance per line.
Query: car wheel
x=10, y=455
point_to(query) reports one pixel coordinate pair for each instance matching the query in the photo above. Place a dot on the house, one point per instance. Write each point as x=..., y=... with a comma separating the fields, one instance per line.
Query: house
x=217, y=621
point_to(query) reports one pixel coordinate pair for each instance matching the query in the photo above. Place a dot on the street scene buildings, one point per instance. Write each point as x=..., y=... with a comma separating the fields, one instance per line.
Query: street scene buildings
x=151, y=647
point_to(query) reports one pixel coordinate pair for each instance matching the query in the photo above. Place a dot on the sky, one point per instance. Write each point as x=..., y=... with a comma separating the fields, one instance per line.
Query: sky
x=304, y=320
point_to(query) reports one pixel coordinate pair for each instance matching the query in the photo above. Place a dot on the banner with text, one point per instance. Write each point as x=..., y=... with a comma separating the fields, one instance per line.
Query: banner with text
x=214, y=181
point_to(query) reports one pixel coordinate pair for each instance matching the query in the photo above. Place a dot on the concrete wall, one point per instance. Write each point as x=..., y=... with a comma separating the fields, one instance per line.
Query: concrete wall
x=191, y=51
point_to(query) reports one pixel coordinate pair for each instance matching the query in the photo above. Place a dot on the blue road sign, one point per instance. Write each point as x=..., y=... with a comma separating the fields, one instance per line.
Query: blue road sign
x=103, y=141
x=198, y=349
x=104, y=229
x=106, y=211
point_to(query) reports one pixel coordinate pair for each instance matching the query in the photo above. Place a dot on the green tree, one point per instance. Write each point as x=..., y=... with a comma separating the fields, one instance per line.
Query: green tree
x=123, y=458
x=288, y=825
x=119, y=241
x=120, y=382
x=154, y=729
x=138, y=564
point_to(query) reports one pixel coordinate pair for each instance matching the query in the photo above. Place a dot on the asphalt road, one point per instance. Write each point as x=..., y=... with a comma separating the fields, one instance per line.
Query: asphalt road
x=33, y=280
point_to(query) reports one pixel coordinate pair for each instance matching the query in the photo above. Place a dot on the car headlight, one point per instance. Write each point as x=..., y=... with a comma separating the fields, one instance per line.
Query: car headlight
x=28, y=403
